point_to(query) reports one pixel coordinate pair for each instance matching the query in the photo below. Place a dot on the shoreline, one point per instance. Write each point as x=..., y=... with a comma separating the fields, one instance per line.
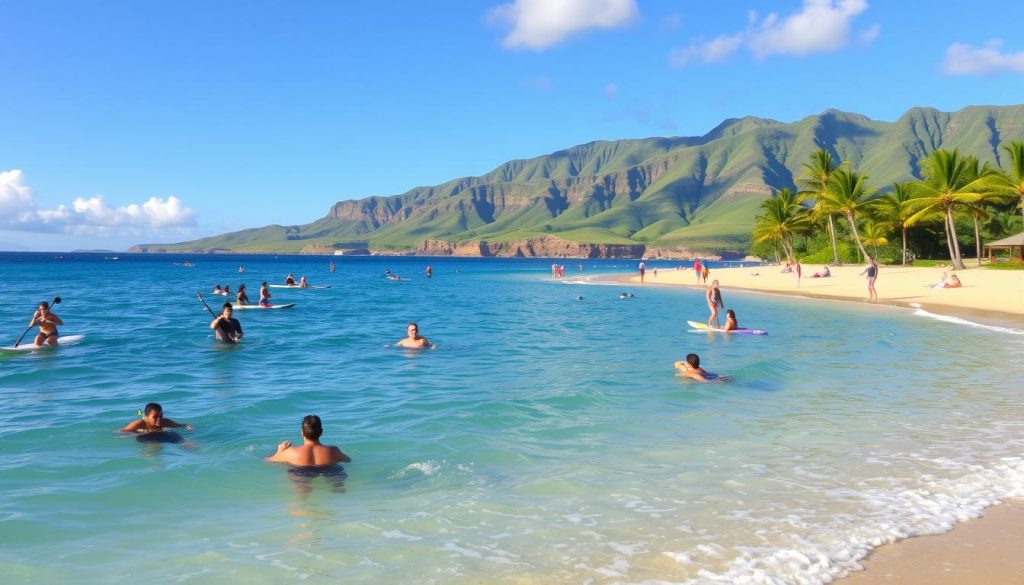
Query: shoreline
x=994, y=296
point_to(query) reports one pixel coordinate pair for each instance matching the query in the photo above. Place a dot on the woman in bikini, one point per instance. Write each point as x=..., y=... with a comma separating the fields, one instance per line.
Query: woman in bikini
x=714, y=298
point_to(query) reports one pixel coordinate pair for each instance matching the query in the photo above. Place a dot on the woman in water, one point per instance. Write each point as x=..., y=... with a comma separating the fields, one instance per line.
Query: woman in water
x=730, y=321
x=714, y=298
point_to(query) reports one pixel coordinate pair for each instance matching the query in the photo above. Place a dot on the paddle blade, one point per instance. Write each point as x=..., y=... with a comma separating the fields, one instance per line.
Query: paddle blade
x=56, y=301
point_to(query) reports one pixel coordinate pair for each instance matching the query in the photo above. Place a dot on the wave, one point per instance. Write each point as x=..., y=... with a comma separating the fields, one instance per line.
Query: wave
x=958, y=321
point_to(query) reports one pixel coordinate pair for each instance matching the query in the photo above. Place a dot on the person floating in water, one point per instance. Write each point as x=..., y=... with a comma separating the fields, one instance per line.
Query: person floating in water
x=226, y=327
x=413, y=339
x=47, y=323
x=429, y=271
x=153, y=421
x=311, y=453
x=217, y=290
x=691, y=369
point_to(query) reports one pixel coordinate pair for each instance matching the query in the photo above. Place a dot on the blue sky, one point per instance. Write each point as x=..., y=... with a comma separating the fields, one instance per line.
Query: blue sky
x=129, y=122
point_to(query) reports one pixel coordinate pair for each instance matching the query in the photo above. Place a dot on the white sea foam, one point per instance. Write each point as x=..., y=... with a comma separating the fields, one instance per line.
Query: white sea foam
x=958, y=321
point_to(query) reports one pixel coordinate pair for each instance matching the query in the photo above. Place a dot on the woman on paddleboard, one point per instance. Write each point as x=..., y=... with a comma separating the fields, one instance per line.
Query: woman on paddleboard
x=730, y=321
x=47, y=322
x=714, y=298
x=242, y=298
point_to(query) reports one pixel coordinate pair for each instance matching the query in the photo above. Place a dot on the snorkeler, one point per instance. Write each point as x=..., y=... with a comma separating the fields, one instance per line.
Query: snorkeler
x=153, y=421
x=311, y=453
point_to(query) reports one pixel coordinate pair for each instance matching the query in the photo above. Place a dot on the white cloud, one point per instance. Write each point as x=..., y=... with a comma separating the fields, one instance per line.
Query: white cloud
x=18, y=212
x=962, y=59
x=611, y=90
x=539, y=24
x=820, y=26
x=870, y=34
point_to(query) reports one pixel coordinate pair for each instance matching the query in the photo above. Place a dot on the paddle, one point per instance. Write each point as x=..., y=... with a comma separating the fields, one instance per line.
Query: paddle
x=56, y=301
x=200, y=297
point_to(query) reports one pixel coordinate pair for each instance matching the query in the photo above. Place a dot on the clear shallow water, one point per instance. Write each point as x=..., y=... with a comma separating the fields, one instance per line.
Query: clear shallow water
x=544, y=441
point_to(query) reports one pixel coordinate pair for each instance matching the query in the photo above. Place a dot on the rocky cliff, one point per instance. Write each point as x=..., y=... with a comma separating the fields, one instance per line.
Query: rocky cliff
x=538, y=247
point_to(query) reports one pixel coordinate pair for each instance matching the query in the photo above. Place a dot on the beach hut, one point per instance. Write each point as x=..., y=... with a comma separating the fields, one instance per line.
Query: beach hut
x=1015, y=245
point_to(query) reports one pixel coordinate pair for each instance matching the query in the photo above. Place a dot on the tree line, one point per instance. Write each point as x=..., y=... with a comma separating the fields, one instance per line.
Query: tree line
x=955, y=190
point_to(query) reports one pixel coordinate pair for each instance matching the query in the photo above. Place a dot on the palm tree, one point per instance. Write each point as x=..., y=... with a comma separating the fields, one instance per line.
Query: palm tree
x=815, y=183
x=874, y=236
x=783, y=217
x=893, y=209
x=951, y=182
x=849, y=195
x=1015, y=174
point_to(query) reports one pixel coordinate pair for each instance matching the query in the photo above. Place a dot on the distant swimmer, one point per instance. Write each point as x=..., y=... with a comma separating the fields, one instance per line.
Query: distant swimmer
x=413, y=339
x=47, y=323
x=217, y=290
x=242, y=298
x=153, y=421
x=311, y=453
x=227, y=290
x=226, y=327
x=691, y=369
x=241, y=268
x=429, y=271
x=580, y=298
x=303, y=283
x=264, y=295
x=290, y=279
x=332, y=267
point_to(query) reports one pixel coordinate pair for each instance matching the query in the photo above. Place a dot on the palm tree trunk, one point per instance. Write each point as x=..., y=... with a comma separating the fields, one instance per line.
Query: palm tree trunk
x=835, y=247
x=977, y=239
x=904, y=229
x=856, y=235
x=949, y=241
x=958, y=262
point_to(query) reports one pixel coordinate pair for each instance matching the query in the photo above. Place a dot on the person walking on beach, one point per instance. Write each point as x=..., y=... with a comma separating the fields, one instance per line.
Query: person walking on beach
x=691, y=369
x=698, y=270
x=264, y=295
x=47, y=322
x=714, y=298
x=412, y=340
x=226, y=327
x=872, y=271
x=153, y=421
x=705, y=272
x=643, y=268
x=242, y=298
x=799, y=272
x=312, y=453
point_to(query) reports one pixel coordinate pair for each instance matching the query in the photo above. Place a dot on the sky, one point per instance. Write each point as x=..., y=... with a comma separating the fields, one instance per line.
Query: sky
x=125, y=122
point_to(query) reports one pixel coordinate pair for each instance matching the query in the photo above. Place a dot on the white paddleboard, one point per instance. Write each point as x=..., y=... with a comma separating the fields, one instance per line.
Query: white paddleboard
x=297, y=286
x=29, y=346
x=288, y=306
x=701, y=327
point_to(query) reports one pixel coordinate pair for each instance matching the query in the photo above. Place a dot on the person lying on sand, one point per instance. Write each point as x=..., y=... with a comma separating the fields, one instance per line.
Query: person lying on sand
x=311, y=453
x=823, y=273
x=952, y=281
x=691, y=369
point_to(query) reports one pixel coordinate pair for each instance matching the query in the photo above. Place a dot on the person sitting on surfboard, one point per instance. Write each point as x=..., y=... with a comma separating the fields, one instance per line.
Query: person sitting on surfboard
x=303, y=283
x=413, y=339
x=226, y=327
x=152, y=421
x=47, y=322
x=290, y=279
x=242, y=298
x=264, y=295
x=311, y=453
x=730, y=321
x=691, y=369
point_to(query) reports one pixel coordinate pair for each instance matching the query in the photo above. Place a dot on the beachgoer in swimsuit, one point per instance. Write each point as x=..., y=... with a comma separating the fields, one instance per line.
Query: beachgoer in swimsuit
x=226, y=327
x=303, y=283
x=798, y=270
x=952, y=281
x=153, y=421
x=242, y=298
x=264, y=295
x=47, y=323
x=691, y=369
x=290, y=279
x=714, y=298
x=872, y=272
x=704, y=273
x=643, y=268
x=430, y=271
x=730, y=321
x=824, y=273
x=698, y=269
x=413, y=339
x=311, y=453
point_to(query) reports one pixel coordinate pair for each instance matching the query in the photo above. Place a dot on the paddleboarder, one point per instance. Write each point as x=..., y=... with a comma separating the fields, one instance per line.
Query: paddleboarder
x=242, y=298
x=226, y=327
x=264, y=295
x=47, y=323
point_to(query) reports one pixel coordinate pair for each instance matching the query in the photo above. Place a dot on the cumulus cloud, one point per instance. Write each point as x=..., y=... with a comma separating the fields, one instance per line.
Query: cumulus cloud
x=18, y=211
x=820, y=26
x=962, y=59
x=868, y=35
x=611, y=89
x=539, y=24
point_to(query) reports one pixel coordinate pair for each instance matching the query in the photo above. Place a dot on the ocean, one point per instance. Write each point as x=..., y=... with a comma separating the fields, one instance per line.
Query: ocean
x=544, y=440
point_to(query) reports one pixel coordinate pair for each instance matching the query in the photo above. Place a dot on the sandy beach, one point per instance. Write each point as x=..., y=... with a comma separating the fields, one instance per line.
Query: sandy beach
x=990, y=294
x=985, y=550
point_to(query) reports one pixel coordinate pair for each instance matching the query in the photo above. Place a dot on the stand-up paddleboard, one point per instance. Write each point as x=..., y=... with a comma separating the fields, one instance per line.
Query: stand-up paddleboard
x=703, y=327
x=62, y=341
x=288, y=306
x=297, y=286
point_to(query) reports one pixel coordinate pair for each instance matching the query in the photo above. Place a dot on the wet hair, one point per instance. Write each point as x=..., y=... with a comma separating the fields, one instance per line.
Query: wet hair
x=693, y=359
x=730, y=313
x=151, y=407
x=45, y=305
x=413, y=324
x=227, y=305
x=312, y=428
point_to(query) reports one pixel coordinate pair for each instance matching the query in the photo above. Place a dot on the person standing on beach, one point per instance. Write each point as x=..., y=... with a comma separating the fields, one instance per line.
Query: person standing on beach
x=705, y=272
x=47, y=322
x=312, y=453
x=698, y=270
x=714, y=298
x=872, y=271
x=643, y=268
x=799, y=271
x=226, y=327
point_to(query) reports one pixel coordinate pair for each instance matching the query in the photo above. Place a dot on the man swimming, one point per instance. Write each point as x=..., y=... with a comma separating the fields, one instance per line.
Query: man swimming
x=153, y=421
x=226, y=327
x=413, y=339
x=47, y=323
x=311, y=453
x=691, y=369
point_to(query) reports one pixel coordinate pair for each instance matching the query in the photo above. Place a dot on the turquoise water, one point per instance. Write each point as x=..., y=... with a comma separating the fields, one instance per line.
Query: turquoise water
x=545, y=440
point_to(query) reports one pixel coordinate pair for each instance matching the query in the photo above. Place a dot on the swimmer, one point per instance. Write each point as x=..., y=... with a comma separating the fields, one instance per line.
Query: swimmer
x=311, y=453
x=691, y=369
x=413, y=339
x=579, y=298
x=153, y=421
x=217, y=290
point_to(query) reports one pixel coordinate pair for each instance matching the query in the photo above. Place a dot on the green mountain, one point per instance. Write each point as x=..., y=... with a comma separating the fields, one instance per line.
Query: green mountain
x=699, y=193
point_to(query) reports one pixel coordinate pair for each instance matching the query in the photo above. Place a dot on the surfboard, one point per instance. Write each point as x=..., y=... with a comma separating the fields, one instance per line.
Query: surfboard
x=29, y=346
x=297, y=286
x=288, y=306
x=703, y=327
